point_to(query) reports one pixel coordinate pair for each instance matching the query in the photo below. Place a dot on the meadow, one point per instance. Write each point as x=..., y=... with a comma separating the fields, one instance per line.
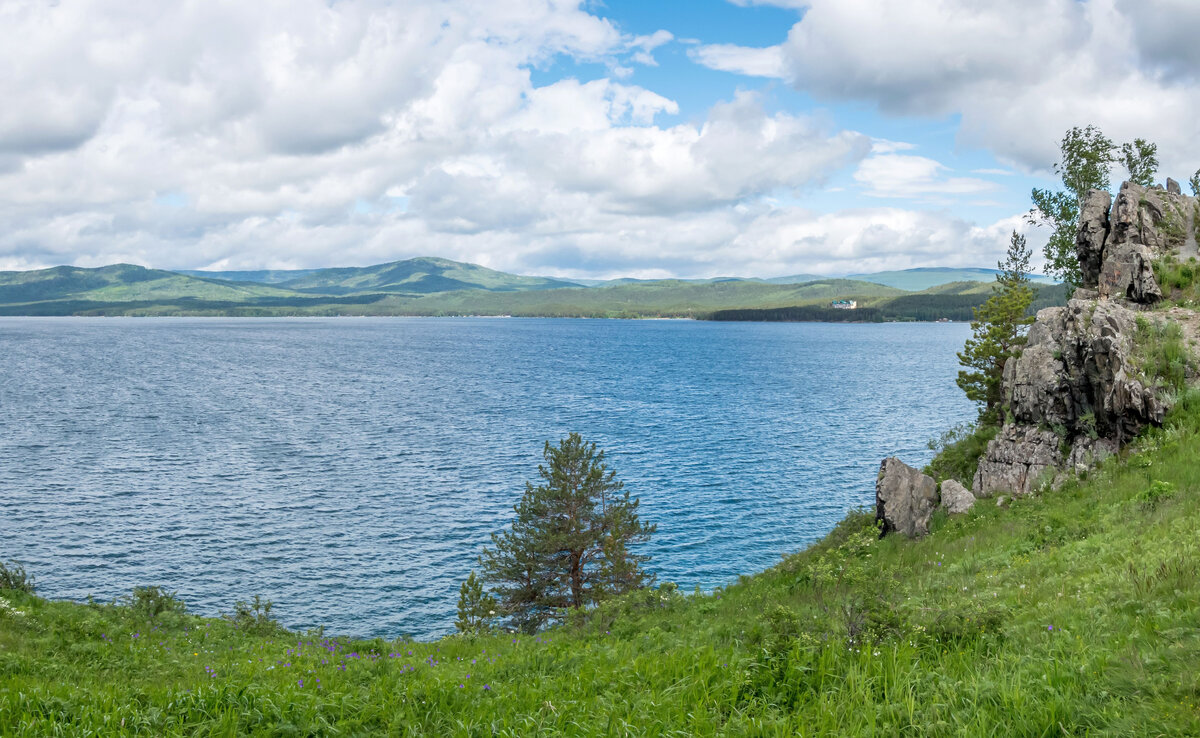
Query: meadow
x=1074, y=611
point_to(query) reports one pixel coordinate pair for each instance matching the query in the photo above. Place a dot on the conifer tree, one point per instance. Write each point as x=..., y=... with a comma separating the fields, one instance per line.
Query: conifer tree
x=997, y=332
x=476, y=610
x=569, y=546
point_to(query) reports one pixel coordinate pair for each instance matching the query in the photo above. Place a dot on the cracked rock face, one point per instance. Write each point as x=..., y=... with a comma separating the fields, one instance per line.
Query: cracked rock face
x=904, y=498
x=1074, y=386
x=1074, y=373
x=1017, y=461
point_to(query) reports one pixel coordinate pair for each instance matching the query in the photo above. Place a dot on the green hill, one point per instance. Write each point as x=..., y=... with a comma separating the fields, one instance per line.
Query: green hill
x=1071, y=612
x=417, y=276
x=667, y=298
x=915, y=280
x=433, y=287
x=121, y=283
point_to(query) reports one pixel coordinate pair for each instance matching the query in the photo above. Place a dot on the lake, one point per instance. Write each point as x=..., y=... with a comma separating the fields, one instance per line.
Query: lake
x=351, y=469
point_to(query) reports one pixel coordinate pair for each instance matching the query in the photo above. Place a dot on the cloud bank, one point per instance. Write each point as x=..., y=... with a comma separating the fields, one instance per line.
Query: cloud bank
x=304, y=133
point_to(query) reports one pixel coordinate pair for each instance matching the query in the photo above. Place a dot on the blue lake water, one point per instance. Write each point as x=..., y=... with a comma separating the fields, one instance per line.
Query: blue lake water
x=351, y=469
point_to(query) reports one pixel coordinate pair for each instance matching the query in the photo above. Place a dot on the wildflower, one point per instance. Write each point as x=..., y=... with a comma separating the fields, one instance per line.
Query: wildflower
x=487, y=688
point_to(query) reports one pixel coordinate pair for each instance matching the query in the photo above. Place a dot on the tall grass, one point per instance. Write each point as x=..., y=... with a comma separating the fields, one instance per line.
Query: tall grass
x=1161, y=354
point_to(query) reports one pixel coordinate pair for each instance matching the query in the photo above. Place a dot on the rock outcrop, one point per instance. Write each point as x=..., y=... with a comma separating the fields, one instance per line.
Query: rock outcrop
x=1075, y=395
x=904, y=498
x=956, y=498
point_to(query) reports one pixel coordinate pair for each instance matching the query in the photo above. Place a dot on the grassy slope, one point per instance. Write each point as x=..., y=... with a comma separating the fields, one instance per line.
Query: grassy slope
x=1071, y=612
x=260, y=276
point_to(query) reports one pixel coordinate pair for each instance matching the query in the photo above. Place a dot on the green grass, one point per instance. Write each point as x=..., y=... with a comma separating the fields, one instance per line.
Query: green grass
x=1178, y=280
x=1161, y=358
x=1074, y=612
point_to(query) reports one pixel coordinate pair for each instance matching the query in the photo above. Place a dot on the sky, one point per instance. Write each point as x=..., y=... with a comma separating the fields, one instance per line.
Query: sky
x=567, y=138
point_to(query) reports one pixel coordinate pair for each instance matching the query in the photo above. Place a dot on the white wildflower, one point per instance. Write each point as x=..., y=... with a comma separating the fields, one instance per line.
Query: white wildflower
x=6, y=608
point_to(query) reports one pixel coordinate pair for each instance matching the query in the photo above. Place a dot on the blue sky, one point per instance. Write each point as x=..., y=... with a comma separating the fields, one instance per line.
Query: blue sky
x=689, y=138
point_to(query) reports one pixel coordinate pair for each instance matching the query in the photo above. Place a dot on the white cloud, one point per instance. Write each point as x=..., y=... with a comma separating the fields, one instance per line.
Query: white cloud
x=884, y=146
x=1018, y=73
x=300, y=133
x=768, y=62
x=899, y=175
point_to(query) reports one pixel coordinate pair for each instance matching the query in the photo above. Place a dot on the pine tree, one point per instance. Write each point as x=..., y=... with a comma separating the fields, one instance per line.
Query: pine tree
x=476, y=610
x=568, y=547
x=997, y=332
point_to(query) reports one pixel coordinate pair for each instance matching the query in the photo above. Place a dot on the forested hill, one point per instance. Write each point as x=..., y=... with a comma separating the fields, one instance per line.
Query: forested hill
x=950, y=302
x=438, y=287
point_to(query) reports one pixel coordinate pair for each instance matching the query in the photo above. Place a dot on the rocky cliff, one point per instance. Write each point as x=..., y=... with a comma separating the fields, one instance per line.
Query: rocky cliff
x=1079, y=391
x=1083, y=385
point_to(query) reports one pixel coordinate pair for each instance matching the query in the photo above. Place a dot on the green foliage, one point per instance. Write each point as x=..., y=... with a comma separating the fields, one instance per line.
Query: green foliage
x=148, y=603
x=1141, y=161
x=13, y=576
x=1155, y=493
x=1179, y=280
x=476, y=609
x=1194, y=183
x=253, y=616
x=958, y=451
x=569, y=546
x=1161, y=357
x=1086, y=160
x=997, y=332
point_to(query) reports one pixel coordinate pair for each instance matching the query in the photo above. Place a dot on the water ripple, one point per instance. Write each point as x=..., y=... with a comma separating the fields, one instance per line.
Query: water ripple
x=350, y=470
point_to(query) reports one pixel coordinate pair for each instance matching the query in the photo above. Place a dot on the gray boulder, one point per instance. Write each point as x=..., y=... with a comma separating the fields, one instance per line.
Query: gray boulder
x=904, y=498
x=1173, y=187
x=956, y=498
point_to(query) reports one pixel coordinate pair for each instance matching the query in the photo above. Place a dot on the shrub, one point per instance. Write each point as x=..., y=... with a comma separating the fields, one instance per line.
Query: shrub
x=253, y=616
x=958, y=452
x=14, y=576
x=150, y=602
x=1155, y=493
